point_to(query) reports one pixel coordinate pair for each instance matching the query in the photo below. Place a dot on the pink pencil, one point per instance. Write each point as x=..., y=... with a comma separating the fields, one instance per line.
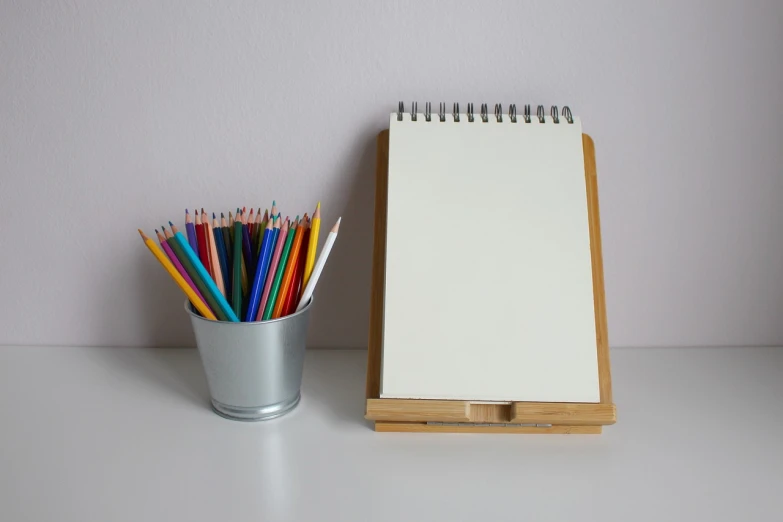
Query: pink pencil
x=173, y=257
x=272, y=269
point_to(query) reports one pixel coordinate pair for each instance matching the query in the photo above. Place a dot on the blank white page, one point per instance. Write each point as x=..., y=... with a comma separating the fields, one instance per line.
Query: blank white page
x=488, y=291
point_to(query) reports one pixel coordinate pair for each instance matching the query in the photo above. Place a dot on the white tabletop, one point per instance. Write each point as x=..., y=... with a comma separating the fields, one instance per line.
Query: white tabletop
x=126, y=434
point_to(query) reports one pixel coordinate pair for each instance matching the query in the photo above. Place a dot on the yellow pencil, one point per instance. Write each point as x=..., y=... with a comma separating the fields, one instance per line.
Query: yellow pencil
x=183, y=285
x=315, y=227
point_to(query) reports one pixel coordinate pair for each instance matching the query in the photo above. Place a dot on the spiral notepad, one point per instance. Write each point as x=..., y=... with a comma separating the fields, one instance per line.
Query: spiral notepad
x=488, y=289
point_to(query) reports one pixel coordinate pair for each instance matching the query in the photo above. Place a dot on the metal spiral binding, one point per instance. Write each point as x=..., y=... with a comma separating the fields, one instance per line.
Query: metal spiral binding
x=484, y=113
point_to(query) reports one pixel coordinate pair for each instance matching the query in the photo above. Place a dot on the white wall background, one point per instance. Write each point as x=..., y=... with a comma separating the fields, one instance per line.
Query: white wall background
x=118, y=115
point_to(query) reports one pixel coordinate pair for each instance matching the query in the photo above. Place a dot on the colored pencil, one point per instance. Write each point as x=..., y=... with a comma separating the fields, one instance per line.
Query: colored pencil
x=319, y=266
x=263, y=265
x=247, y=250
x=166, y=233
x=203, y=243
x=273, y=292
x=264, y=221
x=279, y=240
x=251, y=223
x=236, y=289
x=179, y=244
x=231, y=228
x=227, y=250
x=290, y=267
x=214, y=260
x=174, y=261
x=292, y=296
x=221, y=254
x=312, y=245
x=191, y=230
x=174, y=228
x=183, y=285
x=256, y=235
x=243, y=271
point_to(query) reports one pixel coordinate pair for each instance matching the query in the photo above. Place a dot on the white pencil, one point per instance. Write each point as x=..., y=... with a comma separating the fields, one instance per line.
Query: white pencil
x=319, y=266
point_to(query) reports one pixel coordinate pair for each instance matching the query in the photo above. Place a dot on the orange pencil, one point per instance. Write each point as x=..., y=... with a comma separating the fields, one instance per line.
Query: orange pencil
x=296, y=283
x=288, y=275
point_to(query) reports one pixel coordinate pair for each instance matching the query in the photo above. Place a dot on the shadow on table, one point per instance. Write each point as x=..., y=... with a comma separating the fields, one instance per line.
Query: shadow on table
x=174, y=371
x=335, y=380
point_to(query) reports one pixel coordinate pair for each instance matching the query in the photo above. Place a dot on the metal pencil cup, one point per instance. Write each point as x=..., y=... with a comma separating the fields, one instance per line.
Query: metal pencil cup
x=254, y=370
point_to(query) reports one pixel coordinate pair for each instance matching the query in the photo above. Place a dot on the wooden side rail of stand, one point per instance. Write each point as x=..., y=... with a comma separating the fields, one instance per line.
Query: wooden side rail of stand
x=451, y=416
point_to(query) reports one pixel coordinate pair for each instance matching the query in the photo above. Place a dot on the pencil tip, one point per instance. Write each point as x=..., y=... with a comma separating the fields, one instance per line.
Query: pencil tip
x=141, y=233
x=221, y=215
x=274, y=203
x=213, y=216
x=156, y=230
x=186, y=211
x=171, y=224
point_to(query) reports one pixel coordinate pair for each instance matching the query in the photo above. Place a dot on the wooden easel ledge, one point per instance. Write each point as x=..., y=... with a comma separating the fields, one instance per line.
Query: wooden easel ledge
x=446, y=416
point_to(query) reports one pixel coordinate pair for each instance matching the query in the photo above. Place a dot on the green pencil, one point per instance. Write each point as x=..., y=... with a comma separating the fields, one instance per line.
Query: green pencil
x=236, y=288
x=193, y=273
x=270, y=304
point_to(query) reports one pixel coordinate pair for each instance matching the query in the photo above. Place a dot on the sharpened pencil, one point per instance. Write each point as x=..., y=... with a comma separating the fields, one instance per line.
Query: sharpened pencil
x=315, y=229
x=162, y=239
x=203, y=243
x=201, y=277
x=273, y=292
x=172, y=271
x=319, y=266
x=214, y=260
x=290, y=267
x=217, y=240
x=267, y=247
x=236, y=289
x=279, y=239
x=191, y=231
x=292, y=295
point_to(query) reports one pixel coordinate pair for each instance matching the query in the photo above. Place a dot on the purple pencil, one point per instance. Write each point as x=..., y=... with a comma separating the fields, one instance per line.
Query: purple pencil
x=169, y=252
x=190, y=229
x=273, y=267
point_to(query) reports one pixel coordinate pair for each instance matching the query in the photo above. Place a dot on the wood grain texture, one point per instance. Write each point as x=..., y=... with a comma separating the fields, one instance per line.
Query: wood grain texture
x=419, y=427
x=417, y=410
x=563, y=413
x=403, y=415
x=375, y=341
x=420, y=410
x=599, y=295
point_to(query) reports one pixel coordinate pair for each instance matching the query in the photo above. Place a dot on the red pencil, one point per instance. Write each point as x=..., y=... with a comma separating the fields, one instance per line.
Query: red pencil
x=291, y=300
x=203, y=243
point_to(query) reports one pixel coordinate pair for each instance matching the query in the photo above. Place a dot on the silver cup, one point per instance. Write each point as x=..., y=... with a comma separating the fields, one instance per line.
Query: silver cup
x=254, y=370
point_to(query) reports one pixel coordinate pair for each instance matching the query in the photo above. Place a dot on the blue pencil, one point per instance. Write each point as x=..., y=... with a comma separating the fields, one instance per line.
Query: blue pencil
x=267, y=247
x=190, y=228
x=202, y=274
x=250, y=259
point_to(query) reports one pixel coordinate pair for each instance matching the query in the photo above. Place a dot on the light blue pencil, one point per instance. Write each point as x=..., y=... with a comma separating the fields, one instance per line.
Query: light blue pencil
x=207, y=279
